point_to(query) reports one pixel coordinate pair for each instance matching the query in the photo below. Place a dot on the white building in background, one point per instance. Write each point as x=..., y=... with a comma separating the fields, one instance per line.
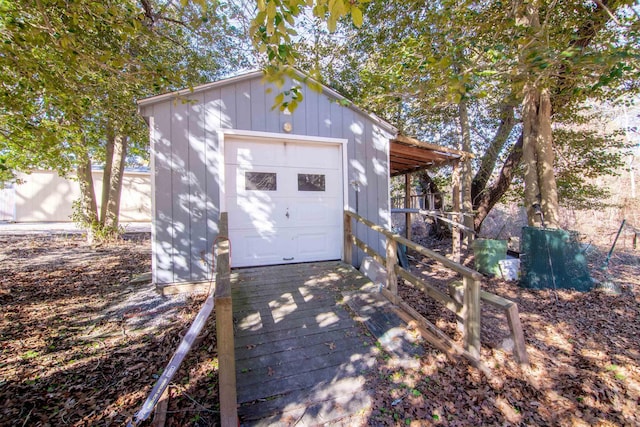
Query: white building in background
x=45, y=196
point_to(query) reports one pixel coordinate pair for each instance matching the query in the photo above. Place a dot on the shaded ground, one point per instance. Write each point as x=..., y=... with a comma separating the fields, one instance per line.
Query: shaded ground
x=82, y=346
x=584, y=352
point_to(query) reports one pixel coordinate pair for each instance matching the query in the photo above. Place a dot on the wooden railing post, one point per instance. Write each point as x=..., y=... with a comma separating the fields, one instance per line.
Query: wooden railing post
x=224, y=331
x=407, y=205
x=472, y=316
x=391, y=261
x=348, y=247
x=455, y=194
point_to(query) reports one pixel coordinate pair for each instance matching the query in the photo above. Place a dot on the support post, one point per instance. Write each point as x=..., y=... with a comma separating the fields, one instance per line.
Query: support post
x=455, y=232
x=392, y=260
x=519, y=348
x=224, y=331
x=407, y=205
x=348, y=247
x=472, y=316
x=456, y=291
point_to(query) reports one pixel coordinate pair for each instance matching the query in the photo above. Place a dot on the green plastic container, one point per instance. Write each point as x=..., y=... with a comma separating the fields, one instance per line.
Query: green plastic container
x=553, y=259
x=487, y=253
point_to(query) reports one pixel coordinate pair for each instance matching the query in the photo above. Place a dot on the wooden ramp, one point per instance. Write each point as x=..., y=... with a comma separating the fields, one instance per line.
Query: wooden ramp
x=300, y=357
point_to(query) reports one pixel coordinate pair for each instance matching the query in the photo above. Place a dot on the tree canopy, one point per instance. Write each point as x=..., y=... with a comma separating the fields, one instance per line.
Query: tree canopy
x=71, y=73
x=442, y=70
x=456, y=73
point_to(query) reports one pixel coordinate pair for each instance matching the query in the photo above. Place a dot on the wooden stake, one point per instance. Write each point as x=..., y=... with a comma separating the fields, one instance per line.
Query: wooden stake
x=391, y=261
x=348, y=247
x=160, y=414
x=472, y=316
x=455, y=244
x=407, y=205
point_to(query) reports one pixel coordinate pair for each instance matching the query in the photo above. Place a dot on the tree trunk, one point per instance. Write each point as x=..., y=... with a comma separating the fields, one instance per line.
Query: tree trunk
x=115, y=183
x=546, y=156
x=115, y=186
x=487, y=199
x=440, y=229
x=490, y=157
x=540, y=189
x=88, y=207
x=106, y=174
x=529, y=133
x=466, y=178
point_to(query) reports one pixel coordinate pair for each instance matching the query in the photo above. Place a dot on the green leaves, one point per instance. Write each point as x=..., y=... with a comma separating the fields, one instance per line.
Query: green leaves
x=356, y=16
x=273, y=34
x=67, y=68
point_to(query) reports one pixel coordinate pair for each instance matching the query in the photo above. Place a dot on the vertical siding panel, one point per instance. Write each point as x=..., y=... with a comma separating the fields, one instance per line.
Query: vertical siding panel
x=351, y=175
x=381, y=145
x=243, y=105
x=180, y=191
x=372, y=169
x=163, y=202
x=258, y=116
x=360, y=175
x=228, y=106
x=197, y=189
x=311, y=112
x=299, y=119
x=272, y=116
x=213, y=117
x=336, y=117
x=324, y=115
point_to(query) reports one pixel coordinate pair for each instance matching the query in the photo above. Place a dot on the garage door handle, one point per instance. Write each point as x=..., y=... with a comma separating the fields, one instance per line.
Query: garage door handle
x=287, y=259
x=287, y=214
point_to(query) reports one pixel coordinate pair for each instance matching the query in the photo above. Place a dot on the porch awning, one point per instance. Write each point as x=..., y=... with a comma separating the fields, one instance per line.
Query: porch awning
x=410, y=155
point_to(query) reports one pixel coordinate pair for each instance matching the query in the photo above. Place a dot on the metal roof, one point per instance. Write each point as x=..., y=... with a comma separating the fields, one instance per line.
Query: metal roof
x=408, y=155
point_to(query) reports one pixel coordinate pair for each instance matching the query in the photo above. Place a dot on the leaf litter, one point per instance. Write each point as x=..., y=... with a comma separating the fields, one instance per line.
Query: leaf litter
x=82, y=346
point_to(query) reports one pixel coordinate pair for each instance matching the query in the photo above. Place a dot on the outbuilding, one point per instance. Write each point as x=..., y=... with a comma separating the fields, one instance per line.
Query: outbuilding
x=284, y=178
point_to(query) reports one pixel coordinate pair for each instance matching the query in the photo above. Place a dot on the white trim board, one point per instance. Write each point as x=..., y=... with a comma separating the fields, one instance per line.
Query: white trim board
x=228, y=135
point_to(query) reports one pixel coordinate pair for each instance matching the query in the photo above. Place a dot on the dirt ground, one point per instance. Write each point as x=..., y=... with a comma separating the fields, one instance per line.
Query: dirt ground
x=81, y=345
x=583, y=349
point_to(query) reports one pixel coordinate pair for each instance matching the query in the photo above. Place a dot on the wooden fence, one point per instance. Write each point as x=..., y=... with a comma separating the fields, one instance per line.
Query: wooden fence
x=466, y=306
x=224, y=328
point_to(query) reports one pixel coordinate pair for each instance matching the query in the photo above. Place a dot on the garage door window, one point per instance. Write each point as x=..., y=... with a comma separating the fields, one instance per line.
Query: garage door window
x=311, y=182
x=260, y=181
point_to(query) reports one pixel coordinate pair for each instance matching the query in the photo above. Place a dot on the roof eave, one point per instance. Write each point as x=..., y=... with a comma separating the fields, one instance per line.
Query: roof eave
x=258, y=73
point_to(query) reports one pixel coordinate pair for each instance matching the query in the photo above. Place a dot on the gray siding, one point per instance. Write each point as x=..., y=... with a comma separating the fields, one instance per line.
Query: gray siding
x=185, y=150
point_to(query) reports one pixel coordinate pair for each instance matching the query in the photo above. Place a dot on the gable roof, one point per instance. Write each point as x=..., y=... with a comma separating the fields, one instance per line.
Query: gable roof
x=406, y=154
x=255, y=74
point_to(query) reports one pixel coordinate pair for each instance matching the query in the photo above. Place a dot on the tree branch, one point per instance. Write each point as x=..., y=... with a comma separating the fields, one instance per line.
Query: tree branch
x=490, y=197
x=488, y=161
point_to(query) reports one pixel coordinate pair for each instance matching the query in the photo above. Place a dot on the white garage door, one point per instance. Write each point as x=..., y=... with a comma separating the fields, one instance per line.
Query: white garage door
x=284, y=201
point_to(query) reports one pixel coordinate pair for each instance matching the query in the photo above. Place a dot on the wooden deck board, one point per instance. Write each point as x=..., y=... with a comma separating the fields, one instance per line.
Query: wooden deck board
x=300, y=357
x=390, y=330
x=302, y=409
x=273, y=366
x=293, y=328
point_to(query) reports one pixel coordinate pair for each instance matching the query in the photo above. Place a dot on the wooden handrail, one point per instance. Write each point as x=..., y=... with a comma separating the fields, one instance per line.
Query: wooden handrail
x=463, y=299
x=470, y=310
x=224, y=328
x=458, y=268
